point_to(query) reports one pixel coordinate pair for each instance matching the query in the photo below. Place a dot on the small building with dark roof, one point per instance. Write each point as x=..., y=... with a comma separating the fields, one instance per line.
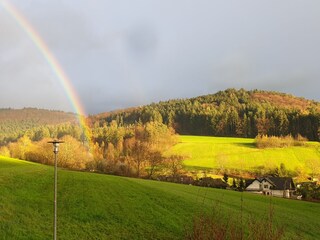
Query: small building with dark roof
x=275, y=186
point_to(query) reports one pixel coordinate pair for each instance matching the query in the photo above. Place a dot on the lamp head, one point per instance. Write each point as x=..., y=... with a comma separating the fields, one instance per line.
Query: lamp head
x=55, y=144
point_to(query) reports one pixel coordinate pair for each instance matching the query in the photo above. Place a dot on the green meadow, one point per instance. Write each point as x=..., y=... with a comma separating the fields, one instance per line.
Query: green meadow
x=96, y=206
x=241, y=153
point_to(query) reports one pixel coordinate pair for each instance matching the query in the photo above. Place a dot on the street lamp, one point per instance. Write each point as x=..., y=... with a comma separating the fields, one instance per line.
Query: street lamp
x=55, y=144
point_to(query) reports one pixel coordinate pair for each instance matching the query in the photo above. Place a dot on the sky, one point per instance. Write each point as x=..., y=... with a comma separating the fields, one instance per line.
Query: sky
x=124, y=53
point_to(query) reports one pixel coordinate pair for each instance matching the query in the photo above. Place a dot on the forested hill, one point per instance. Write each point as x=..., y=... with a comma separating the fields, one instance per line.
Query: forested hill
x=229, y=113
x=15, y=122
x=38, y=116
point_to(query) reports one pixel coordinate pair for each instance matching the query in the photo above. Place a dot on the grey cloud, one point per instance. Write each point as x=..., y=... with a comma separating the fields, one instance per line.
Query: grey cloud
x=141, y=41
x=26, y=79
x=125, y=53
x=8, y=32
x=66, y=31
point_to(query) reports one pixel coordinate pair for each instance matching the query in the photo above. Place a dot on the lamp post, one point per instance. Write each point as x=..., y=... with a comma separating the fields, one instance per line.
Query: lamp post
x=55, y=144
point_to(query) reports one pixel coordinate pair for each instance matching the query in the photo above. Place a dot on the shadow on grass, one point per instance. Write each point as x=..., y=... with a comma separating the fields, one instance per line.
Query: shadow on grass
x=247, y=145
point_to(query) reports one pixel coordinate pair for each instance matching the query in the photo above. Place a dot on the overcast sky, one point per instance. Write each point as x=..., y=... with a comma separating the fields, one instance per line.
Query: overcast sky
x=122, y=53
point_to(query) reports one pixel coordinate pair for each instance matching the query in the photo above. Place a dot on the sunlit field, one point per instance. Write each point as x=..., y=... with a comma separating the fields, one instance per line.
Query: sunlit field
x=96, y=206
x=241, y=153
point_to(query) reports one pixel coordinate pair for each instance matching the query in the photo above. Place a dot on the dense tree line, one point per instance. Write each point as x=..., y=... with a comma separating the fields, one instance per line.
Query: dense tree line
x=230, y=113
x=13, y=130
x=135, y=150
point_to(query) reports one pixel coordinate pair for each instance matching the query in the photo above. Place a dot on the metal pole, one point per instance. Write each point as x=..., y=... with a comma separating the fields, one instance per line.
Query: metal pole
x=55, y=196
x=55, y=151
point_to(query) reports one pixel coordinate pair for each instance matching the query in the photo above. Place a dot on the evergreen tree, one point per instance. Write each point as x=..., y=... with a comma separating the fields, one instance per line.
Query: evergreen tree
x=241, y=184
x=225, y=177
x=234, y=184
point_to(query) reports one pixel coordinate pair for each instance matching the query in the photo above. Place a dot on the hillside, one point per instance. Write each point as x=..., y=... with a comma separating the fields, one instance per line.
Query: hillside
x=15, y=122
x=240, y=154
x=95, y=206
x=237, y=113
x=37, y=116
x=285, y=101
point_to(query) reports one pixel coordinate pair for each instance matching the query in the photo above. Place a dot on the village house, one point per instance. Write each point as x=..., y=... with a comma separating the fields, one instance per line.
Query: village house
x=274, y=186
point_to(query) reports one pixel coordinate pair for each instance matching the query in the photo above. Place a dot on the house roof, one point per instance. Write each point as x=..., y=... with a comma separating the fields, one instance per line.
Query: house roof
x=248, y=182
x=282, y=183
x=278, y=183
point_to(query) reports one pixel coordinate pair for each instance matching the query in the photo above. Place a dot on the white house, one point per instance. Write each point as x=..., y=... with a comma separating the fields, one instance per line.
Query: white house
x=275, y=186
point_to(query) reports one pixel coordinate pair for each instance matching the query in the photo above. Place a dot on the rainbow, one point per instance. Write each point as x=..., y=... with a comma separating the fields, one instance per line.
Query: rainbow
x=53, y=63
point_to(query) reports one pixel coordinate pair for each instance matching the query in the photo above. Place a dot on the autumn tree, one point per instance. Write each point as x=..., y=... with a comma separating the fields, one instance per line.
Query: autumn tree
x=139, y=155
x=21, y=148
x=72, y=153
x=42, y=152
x=4, y=151
x=41, y=133
x=155, y=162
x=174, y=164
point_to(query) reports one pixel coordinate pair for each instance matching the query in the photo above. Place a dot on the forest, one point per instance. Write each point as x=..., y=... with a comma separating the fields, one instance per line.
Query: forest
x=234, y=113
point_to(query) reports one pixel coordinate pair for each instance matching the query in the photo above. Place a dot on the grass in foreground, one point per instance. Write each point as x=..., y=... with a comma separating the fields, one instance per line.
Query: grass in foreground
x=95, y=206
x=240, y=153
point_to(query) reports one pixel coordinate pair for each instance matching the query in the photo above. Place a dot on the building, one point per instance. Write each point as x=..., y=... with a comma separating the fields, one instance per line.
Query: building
x=275, y=186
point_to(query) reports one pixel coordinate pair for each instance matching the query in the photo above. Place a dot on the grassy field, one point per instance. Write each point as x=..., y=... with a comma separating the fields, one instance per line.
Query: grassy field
x=96, y=206
x=240, y=153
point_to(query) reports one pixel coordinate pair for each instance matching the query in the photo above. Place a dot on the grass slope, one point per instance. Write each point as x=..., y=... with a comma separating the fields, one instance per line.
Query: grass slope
x=95, y=206
x=240, y=153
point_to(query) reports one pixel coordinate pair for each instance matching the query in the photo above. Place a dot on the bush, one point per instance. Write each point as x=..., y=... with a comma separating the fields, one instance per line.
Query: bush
x=309, y=191
x=263, y=141
x=4, y=151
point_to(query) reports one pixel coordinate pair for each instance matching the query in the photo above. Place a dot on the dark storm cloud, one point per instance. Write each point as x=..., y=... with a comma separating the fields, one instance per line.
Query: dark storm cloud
x=126, y=53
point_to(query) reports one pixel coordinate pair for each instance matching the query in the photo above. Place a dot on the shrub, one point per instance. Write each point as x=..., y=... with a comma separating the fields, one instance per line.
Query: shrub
x=4, y=151
x=264, y=141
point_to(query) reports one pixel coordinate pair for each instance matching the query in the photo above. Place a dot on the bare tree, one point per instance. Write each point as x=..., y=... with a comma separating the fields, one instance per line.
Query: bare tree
x=155, y=160
x=174, y=163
